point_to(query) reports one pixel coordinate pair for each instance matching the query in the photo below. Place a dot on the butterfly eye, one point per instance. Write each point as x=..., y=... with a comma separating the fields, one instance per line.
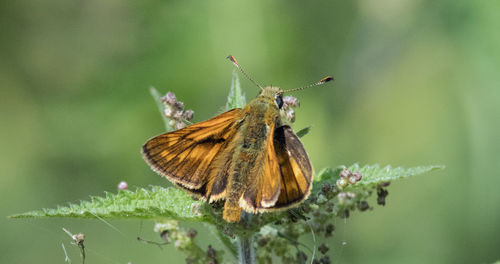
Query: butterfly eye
x=278, y=100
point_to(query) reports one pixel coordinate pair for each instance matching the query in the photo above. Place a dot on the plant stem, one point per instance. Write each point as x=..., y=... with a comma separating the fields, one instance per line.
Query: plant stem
x=246, y=251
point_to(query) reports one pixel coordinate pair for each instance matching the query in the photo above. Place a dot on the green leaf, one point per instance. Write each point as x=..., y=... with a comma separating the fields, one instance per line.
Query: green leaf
x=304, y=131
x=236, y=98
x=154, y=203
x=374, y=174
x=328, y=174
x=225, y=240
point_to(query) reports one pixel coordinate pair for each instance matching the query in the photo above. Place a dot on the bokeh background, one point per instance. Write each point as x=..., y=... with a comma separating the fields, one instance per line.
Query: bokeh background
x=417, y=83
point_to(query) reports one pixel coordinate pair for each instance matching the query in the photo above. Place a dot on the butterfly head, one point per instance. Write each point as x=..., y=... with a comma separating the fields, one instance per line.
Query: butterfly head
x=273, y=93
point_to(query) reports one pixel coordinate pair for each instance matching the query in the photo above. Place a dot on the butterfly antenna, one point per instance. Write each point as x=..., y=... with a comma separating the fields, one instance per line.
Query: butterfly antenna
x=320, y=82
x=233, y=60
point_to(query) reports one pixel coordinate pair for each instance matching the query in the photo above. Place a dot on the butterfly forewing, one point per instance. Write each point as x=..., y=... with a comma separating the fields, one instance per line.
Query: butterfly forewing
x=191, y=157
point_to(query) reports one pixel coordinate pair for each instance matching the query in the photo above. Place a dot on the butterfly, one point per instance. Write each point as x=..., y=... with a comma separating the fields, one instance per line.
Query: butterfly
x=246, y=156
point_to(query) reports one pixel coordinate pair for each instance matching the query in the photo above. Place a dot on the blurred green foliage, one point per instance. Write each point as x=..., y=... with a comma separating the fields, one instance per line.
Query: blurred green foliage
x=416, y=83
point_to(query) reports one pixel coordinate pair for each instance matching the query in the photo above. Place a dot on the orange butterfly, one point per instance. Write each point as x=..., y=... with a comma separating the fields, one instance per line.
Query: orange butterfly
x=245, y=156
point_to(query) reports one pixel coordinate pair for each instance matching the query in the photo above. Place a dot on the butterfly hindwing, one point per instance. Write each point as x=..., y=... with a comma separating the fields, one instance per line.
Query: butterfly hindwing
x=191, y=157
x=285, y=179
x=264, y=189
x=296, y=170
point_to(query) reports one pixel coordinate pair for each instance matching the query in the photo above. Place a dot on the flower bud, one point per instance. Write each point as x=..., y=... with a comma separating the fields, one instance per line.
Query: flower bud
x=188, y=114
x=172, y=123
x=381, y=194
x=178, y=115
x=179, y=105
x=326, y=188
x=191, y=233
x=168, y=112
x=352, y=180
x=169, y=98
x=79, y=238
x=341, y=183
x=122, y=186
x=290, y=115
x=179, y=125
x=323, y=248
x=211, y=253
x=363, y=206
x=291, y=101
x=357, y=175
x=329, y=230
x=345, y=173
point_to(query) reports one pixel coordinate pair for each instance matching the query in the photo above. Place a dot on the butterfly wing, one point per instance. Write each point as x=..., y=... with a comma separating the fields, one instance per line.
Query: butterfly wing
x=286, y=178
x=295, y=169
x=195, y=157
x=264, y=189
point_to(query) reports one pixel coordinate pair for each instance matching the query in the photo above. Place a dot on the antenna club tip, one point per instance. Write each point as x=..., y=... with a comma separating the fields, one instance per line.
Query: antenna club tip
x=327, y=79
x=232, y=59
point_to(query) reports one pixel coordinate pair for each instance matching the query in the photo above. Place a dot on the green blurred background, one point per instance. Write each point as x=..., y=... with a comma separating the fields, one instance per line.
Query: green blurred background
x=417, y=83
